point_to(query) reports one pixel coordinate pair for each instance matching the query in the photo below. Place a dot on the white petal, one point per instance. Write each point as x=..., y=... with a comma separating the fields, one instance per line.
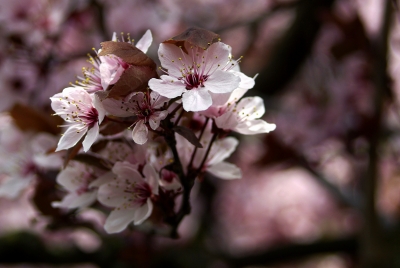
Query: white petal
x=220, y=99
x=99, y=107
x=222, y=82
x=167, y=86
x=216, y=55
x=119, y=219
x=224, y=170
x=70, y=138
x=169, y=55
x=151, y=177
x=73, y=200
x=143, y=212
x=91, y=137
x=196, y=100
x=250, y=108
x=221, y=150
x=252, y=127
x=227, y=121
x=144, y=43
x=140, y=132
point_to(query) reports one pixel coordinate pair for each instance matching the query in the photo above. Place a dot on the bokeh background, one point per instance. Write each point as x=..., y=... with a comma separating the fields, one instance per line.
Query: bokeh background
x=321, y=191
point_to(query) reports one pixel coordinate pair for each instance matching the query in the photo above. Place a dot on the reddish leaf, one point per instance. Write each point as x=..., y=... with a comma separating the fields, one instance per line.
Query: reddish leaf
x=127, y=52
x=194, y=36
x=134, y=79
x=188, y=134
x=29, y=119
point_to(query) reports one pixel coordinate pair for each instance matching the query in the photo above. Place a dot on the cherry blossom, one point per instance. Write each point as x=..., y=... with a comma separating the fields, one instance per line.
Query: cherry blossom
x=83, y=111
x=215, y=164
x=195, y=75
x=82, y=183
x=243, y=117
x=146, y=107
x=106, y=70
x=130, y=194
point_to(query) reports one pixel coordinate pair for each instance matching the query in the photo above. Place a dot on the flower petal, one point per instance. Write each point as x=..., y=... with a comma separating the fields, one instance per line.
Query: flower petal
x=167, y=86
x=127, y=171
x=143, y=212
x=70, y=138
x=251, y=127
x=222, y=82
x=152, y=178
x=73, y=200
x=140, y=132
x=155, y=119
x=91, y=137
x=144, y=43
x=196, y=100
x=116, y=107
x=221, y=150
x=224, y=170
x=119, y=219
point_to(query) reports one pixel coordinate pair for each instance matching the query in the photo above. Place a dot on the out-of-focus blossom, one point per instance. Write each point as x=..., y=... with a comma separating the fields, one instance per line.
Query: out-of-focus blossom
x=82, y=183
x=84, y=111
x=23, y=154
x=130, y=194
x=195, y=74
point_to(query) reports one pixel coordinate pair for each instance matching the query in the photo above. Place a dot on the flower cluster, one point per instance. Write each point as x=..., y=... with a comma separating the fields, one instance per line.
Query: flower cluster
x=137, y=140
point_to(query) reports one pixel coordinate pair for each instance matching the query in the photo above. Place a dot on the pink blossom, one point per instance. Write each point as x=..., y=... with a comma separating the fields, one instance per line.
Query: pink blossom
x=83, y=111
x=215, y=164
x=106, y=70
x=195, y=75
x=130, y=194
x=243, y=117
x=146, y=107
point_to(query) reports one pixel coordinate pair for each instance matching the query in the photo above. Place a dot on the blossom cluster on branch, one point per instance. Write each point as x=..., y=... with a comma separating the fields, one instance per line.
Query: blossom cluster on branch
x=136, y=140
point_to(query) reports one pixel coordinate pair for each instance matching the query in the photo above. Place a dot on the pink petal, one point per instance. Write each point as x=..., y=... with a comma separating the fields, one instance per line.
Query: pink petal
x=144, y=43
x=116, y=108
x=151, y=177
x=140, y=132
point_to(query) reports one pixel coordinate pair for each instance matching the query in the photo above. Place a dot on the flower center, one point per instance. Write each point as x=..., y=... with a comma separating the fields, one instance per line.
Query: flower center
x=90, y=117
x=194, y=80
x=140, y=193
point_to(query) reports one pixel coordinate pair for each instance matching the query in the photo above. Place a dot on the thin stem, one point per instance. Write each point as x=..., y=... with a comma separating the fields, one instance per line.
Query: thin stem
x=195, y=149
x=214, y=137
x=179, y=118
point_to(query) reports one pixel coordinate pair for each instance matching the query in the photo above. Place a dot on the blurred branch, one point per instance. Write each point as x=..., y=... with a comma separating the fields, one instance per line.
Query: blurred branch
x=292, y=50
x=296, y=252
x=346, y=198
x=374, y=253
